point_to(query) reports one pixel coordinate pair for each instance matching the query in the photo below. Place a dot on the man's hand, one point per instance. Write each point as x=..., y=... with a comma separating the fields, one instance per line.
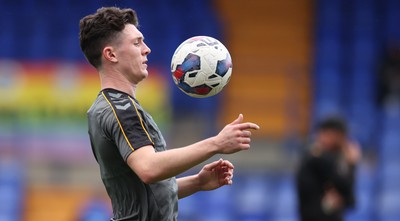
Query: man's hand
x=352, y=152
x=332, y=201
x=215, y=175
x=212, y=176
x=235, y=136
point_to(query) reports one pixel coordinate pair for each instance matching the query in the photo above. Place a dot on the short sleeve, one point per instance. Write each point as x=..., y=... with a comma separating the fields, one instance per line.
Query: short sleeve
x=125, y=125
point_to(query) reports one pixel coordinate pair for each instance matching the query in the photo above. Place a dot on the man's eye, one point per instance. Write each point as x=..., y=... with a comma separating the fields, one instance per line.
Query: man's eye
x=136, y=43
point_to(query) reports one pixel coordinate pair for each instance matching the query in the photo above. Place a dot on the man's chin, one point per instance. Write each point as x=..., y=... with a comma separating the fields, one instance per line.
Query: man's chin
x=144, y=74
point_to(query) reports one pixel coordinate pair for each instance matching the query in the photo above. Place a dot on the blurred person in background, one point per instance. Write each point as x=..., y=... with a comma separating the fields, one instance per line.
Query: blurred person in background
x=325, y=178
x=136, y=168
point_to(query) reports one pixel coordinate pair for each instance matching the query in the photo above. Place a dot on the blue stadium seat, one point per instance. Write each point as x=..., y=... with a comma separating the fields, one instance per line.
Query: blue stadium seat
x=390, y=145
x=365, y=51
x=329, y=12
x=188, y=208
x=329, y=50
x=95, y=210
x=216, y=215
x=8, y=217
x=364, y=204
x=389, y=174
x=389, y=204
x=38, y=40
x=364, y=14
x=392, y=19
x=285, y=206
x=254, y=198
x=7, y=37
x=11, y=189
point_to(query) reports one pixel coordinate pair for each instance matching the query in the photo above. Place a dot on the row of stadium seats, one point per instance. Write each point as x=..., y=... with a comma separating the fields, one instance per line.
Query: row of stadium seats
x=350, y=39
x=43, y=29
x=347, y=55
x=253, y=197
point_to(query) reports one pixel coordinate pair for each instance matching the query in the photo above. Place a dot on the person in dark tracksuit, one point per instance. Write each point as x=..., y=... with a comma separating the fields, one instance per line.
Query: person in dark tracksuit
x=325, y=178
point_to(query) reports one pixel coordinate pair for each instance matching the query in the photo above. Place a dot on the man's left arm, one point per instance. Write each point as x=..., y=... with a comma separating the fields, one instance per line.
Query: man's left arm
x=212, y=176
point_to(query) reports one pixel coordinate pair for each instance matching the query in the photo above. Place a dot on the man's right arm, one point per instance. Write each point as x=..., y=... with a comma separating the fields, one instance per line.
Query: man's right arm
x=153, y=166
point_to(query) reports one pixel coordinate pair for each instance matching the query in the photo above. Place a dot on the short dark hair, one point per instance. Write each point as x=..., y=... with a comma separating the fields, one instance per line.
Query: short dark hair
x=98, y=29
x=333, y=123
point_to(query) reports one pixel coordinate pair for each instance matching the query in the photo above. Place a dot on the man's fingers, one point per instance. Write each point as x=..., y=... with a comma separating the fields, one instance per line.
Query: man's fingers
x=238, y=120
x=246, y=133
x=248, y=125
x=228, y=181
x=228, y=164
x=230, y=171
x=244, y=146
x=245, y=140
x=212, y=165
x=228, y=175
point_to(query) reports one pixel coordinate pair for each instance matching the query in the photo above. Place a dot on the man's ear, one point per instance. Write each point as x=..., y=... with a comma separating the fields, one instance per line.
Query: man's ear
x=109, y=55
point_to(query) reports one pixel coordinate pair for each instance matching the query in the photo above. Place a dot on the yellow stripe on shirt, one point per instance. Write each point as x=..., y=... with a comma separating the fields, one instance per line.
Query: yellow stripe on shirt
x=140, y=118
x=119, y=123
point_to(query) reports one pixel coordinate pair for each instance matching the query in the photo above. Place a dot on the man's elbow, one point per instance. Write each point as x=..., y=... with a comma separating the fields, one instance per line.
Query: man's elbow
x=149, y=176
x=145, y=166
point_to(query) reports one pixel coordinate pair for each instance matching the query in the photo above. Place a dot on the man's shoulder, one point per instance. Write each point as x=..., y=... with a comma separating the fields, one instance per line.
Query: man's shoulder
x=109, y=99
x=117, y=100
x=100, y=105
x=113, y=95
x=119, y=106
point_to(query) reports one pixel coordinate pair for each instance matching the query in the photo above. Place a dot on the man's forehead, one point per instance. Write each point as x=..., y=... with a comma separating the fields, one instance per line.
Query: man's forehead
x=132, y=31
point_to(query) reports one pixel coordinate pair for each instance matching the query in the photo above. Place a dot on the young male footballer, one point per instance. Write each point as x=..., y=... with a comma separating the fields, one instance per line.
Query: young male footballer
x=136, y=168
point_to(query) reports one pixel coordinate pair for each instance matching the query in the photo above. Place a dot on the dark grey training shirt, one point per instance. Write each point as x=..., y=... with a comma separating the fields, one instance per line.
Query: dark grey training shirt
x=118, y=126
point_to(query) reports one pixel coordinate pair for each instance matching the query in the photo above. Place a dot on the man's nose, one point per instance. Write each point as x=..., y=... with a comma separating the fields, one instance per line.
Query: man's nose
x=147, y=50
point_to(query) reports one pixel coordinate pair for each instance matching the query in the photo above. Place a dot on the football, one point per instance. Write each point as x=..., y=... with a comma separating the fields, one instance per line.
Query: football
x=201, y=66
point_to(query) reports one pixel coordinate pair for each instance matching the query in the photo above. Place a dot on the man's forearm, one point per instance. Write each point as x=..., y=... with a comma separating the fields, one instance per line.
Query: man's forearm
x=187, y=186
x=155, y=166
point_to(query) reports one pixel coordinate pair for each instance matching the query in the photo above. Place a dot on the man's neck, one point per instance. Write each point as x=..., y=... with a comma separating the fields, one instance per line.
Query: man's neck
x=118, y=82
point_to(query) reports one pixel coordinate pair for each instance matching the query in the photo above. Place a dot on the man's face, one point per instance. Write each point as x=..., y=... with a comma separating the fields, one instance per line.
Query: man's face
x=330, y=139
x=131, y=53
